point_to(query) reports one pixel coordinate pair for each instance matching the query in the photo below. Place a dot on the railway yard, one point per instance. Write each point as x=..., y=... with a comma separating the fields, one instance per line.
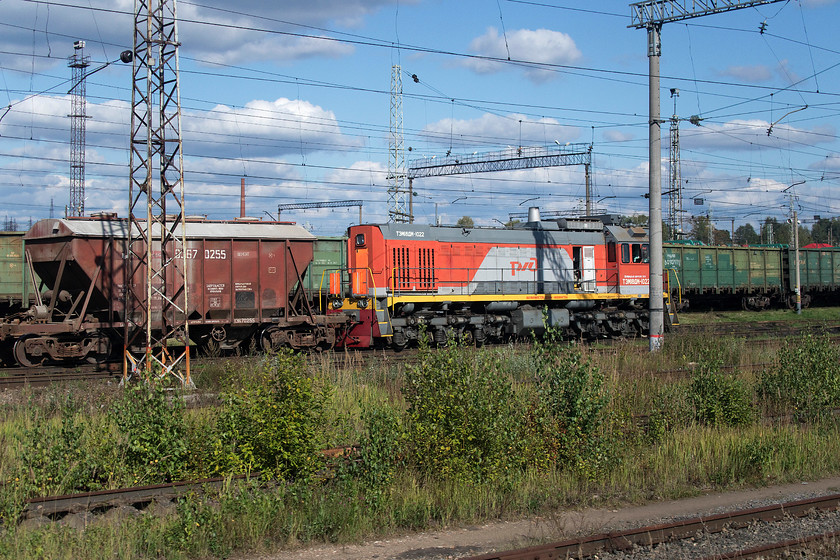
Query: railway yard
x=581, y=380
x=666, y=431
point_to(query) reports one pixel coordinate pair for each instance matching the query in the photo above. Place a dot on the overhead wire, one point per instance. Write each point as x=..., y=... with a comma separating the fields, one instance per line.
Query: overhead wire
x=441, y=51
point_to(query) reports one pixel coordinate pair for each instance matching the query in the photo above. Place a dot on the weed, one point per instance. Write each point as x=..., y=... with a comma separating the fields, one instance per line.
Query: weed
x=572, y=401
x=152, y=434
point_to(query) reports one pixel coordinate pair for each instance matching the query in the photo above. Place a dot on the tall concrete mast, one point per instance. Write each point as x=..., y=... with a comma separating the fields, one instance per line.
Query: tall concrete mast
x=651, y=15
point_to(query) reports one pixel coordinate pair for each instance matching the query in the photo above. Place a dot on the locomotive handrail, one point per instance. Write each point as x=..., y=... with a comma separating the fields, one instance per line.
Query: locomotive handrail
x=404, y=280
x=324, y=273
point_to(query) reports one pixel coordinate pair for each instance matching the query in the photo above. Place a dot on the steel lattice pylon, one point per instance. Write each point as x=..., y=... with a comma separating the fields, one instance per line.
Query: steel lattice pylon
x=78, y=117
x=675, y=209
x=675, y=182
x=156, y=283
x=397, y=193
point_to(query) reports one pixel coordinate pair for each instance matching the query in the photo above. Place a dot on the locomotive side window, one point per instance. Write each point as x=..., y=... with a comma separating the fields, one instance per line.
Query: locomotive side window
x=611, y=252
x=635, y=253
x=625, y=253
x=360, y=240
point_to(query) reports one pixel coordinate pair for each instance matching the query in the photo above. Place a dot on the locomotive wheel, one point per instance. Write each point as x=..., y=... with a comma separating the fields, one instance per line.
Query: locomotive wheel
x=23, y=358
x=479, y=337
x=399, y=340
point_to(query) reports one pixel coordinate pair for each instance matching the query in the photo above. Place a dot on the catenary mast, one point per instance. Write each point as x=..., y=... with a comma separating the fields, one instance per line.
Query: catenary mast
x=651, y=16
x=156, y=327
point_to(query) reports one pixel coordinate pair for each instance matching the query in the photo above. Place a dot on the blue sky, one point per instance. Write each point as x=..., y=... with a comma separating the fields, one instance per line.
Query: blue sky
x=295, y=97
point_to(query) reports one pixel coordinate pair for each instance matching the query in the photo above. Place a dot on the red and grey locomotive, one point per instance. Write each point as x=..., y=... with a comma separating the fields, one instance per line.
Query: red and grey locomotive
x=590, y=278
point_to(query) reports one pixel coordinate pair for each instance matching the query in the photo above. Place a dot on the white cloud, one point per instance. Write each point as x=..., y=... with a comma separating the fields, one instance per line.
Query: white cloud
x=749, y=134
x=495, y=129
x=217, y=30
x=618, y=136
x=540, y=45
x=751, y=74
x=265, y=128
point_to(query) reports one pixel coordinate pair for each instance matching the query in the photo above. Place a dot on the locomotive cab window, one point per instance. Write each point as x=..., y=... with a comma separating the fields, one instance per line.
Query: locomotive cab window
x=636, y=253
x=645, y=253
x=611, y=252
x=360, y=240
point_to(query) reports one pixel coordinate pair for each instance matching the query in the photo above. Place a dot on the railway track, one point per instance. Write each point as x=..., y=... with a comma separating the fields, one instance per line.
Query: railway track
x=139, y=497
x=15, y=377
x=703, y=537
x=761, y=328
x=45, y=375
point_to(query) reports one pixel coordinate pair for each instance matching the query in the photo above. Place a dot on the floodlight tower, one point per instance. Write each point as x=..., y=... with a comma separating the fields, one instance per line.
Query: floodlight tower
x=156, y=326
x=78, y=105
x=675, y=210
x=397, y=193
x=651, y=15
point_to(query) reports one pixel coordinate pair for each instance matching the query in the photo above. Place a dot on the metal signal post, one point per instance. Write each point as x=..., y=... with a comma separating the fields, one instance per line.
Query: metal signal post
x=156, y=322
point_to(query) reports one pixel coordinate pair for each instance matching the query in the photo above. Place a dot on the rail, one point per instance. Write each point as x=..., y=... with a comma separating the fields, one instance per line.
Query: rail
x=656, y=534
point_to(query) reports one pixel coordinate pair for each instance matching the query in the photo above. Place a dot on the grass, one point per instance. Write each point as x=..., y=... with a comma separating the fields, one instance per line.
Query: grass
x=649, y=443
x=828, y=314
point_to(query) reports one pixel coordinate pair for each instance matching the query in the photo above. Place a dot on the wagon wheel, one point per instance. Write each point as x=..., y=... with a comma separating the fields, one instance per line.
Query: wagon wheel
x=100, y=351
x=23, y=358
x=7, y=355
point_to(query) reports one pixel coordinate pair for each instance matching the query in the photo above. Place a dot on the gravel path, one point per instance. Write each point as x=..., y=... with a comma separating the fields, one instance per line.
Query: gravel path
x=467, y=541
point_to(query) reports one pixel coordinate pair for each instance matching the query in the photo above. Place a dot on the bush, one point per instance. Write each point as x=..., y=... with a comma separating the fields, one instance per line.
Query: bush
x=672, y=408
x=807, y=378
x=55, y=454
x=272, y=424
x=152, y=438
x=721, y=399
x=53, y=458
x=463, y=421
x=381, y=446
x=572, y=402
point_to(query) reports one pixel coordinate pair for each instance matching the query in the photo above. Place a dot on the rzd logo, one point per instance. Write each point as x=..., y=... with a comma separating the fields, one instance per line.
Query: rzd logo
x=516, y=266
